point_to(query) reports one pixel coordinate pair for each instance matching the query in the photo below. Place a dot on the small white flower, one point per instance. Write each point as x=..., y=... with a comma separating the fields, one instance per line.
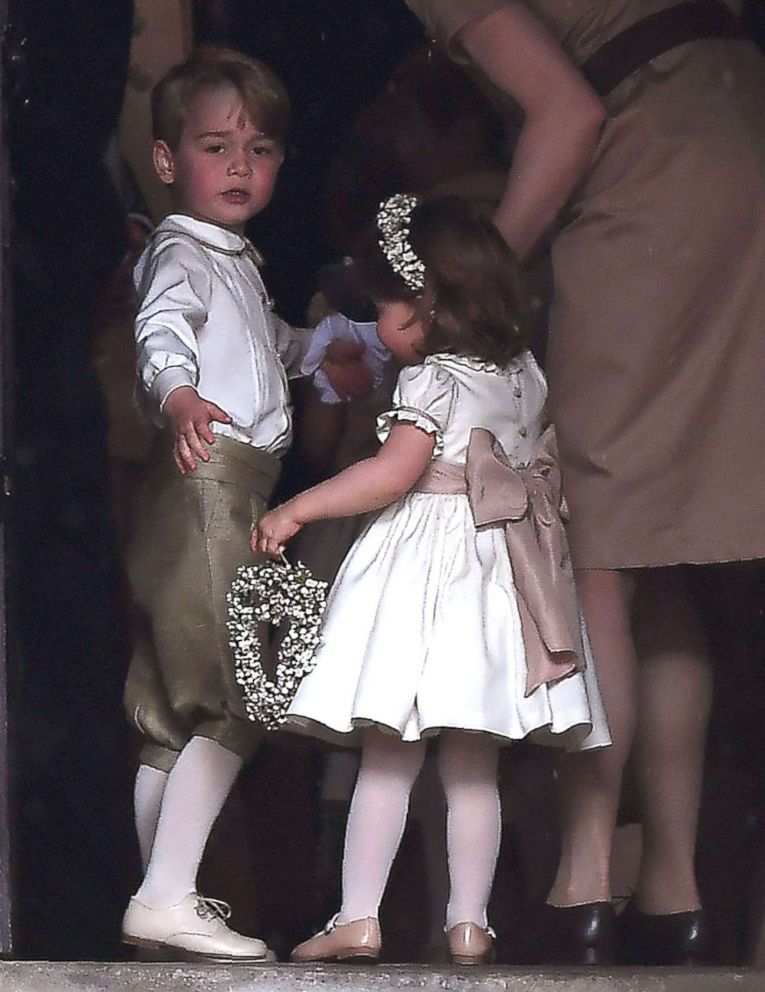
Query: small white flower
x=272, y=592
x=393, y=224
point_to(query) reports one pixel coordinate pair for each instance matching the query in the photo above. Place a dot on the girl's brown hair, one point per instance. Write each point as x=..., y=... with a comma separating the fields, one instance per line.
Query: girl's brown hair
x=260, y=89
x=472, y=303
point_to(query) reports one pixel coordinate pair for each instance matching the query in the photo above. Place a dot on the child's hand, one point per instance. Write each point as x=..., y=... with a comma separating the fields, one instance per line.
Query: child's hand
x=274, y=528
x=346, y=369
x=190, y=417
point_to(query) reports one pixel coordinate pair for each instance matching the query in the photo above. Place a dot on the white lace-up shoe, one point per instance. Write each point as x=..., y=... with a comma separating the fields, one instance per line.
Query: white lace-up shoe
x=196, y=926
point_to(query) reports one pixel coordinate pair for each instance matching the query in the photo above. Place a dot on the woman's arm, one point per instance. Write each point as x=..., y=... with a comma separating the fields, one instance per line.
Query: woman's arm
x=367, y=485
x=562, y=118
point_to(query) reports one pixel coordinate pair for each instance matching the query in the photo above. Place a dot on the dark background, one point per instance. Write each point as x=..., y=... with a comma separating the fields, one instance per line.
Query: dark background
x=72, y=759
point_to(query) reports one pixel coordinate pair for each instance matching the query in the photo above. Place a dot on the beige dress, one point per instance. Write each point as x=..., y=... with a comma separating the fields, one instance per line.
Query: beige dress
x=657, y=341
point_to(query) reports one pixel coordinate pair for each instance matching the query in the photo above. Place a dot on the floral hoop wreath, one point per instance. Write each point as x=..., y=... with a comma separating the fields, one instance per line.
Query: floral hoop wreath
x=393, y=218
x=272, y=592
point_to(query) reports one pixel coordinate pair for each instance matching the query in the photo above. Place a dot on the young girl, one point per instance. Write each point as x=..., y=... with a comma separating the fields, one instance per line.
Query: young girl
x=454, y=612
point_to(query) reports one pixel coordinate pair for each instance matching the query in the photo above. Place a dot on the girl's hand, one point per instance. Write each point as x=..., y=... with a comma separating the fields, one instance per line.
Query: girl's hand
x=273, y=530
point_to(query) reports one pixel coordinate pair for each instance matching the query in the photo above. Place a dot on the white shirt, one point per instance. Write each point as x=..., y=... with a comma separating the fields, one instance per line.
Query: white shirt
x=338, y=327
x=205, y=320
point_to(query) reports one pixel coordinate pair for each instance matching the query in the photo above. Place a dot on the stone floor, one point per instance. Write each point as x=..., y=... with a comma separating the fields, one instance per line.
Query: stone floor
x=23, y=976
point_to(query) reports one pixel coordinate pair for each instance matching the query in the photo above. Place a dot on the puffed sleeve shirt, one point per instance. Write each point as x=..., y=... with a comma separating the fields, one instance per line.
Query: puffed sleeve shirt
x=205, y=320
x=425, y=396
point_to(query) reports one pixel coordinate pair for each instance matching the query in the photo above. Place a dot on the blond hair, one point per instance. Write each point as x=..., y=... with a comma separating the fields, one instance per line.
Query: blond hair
x=262, y=92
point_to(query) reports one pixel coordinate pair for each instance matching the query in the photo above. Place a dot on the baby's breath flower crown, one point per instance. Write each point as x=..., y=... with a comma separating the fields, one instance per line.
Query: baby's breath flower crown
x=393, y=218
x=272, y=592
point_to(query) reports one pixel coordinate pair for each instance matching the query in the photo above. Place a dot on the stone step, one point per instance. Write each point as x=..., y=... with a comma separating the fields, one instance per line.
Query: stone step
x=45, y=976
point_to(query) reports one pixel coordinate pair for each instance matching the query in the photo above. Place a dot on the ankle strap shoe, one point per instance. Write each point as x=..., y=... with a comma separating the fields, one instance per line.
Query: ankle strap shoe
x=357, y=940
x=471, y=944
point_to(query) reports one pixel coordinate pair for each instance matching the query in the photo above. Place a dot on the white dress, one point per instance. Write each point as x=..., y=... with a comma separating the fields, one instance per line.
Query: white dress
x=422, y=630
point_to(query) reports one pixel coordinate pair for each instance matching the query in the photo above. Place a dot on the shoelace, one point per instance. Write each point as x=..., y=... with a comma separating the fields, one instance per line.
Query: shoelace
x=208, y=908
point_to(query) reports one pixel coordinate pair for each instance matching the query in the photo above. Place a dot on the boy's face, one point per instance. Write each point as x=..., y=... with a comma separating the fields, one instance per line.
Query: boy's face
x=224, y=168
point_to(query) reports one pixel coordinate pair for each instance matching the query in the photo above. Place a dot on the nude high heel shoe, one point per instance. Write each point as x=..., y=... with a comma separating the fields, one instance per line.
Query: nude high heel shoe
x=471, y=944
x=357, y=940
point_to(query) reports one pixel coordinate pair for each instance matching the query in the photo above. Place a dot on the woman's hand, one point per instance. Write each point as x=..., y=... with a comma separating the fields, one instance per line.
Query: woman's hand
x=274, y=529
x=348, y=373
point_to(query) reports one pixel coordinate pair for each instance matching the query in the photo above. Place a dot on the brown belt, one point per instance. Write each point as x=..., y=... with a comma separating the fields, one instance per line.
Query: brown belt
x=634, y=47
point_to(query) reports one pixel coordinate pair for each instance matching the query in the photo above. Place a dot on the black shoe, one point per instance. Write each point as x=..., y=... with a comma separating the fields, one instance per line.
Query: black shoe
x=576, y=935
x=665, y=939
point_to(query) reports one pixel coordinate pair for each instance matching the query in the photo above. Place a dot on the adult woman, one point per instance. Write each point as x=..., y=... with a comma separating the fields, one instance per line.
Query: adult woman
x=654, y=364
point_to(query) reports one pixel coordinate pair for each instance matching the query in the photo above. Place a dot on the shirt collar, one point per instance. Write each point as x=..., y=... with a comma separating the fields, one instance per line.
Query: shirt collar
x=211, y=236
x=477, y=364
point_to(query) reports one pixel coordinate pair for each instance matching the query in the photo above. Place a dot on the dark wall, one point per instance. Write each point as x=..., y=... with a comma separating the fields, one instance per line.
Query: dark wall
x=754, y=16
x=65, y=90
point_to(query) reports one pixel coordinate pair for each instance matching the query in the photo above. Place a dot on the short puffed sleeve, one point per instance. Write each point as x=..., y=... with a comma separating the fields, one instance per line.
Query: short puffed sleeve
x=424, y=396
x=444, y=19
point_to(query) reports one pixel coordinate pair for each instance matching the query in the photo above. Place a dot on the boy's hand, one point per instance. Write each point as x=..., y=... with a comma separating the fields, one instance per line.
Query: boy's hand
x=274, y=528
x=346, y=369
x=190, y=417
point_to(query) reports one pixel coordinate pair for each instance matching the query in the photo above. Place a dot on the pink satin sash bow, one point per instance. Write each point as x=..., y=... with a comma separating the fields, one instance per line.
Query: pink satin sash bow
x=528, y=502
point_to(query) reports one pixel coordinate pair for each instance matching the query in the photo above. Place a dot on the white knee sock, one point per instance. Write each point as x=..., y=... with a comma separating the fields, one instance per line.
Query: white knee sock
x=196, y=790
x=376, y=820
x=147, y=798
x=468, y=767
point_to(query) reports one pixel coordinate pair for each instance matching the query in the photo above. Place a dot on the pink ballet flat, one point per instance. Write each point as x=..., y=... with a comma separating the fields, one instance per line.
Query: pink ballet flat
x=470, y=944
x=354, y=941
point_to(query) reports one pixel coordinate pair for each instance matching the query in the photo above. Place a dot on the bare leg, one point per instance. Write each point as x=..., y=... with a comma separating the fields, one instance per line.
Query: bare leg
x=591, y=782
x=674, y=700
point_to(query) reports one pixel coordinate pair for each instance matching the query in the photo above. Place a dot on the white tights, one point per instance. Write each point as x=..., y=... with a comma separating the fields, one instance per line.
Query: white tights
x=147, y=800
x=468, y=768
x=175, y=813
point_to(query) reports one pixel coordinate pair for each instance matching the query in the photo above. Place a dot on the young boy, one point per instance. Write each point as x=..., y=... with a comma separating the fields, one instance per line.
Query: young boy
x=213, y=362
